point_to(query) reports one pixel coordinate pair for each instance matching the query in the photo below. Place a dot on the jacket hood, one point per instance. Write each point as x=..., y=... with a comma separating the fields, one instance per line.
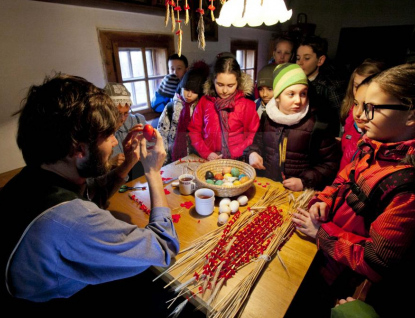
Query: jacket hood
x=246, y=85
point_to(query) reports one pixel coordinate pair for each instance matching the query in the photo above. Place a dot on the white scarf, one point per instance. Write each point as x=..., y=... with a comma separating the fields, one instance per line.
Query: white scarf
x=280, y=118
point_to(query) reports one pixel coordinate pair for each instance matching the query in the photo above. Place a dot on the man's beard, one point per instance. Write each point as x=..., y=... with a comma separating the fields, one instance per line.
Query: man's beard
x=95, y=165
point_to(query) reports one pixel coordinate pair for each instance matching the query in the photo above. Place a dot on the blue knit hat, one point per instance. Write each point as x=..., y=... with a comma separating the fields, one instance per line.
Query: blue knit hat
x=168, y=86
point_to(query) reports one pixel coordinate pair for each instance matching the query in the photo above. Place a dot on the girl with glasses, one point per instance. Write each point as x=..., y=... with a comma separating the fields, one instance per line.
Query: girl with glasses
x=364, y=239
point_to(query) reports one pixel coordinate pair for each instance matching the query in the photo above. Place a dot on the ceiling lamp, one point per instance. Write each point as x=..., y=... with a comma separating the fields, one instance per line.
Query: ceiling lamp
x=253, y=12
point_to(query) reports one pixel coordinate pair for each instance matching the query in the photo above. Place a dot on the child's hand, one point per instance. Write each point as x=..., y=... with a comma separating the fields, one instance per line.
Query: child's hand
x=214, y=156
x=256, y=161
x=305, y=224
x=293, y=184
x=319, y=211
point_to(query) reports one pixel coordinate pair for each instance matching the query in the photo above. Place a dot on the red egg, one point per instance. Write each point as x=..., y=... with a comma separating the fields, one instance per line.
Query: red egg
x=148, y=132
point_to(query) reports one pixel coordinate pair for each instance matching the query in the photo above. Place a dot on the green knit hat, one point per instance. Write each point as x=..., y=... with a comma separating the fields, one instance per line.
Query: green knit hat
x=286, y=75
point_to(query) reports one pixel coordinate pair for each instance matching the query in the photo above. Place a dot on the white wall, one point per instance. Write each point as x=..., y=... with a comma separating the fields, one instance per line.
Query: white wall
x=38, y=37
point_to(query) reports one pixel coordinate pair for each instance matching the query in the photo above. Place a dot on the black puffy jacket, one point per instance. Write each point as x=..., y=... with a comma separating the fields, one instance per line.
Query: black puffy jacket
x=313, y=155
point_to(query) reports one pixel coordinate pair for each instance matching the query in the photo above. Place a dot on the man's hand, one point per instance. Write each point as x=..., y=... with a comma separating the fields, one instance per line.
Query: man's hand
x=117, y=160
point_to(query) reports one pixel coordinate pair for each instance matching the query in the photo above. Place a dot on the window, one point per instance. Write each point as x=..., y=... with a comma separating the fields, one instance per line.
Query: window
x=139, y=61
x=246, y=53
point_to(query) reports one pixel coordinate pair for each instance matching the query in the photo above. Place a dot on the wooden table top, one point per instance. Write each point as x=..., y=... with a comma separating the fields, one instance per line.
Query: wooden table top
x=276, y=287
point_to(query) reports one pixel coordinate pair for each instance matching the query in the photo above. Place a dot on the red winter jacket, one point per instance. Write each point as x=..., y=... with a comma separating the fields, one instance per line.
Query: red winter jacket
x=383, y=251
x=205, y=132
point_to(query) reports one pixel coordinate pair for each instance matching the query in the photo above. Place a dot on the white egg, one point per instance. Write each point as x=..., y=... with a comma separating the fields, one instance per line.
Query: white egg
x=243, y=199
x=234, y=206
x=223, y=218
x=224, y=209
x=225, y=201
x=230, y=179
x=227, y=184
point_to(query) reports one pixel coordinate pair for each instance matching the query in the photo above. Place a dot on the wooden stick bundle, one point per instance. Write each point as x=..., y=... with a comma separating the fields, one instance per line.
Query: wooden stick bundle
x=218, y=243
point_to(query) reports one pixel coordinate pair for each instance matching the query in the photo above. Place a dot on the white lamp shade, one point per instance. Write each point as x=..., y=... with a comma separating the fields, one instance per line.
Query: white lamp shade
x=271, y=12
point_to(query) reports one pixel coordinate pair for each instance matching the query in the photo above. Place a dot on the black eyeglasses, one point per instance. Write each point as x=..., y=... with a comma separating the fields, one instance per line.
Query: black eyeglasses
x=370, y=108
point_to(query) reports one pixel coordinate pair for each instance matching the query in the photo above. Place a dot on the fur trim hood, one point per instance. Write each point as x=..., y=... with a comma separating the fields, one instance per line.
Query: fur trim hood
x=246, y=84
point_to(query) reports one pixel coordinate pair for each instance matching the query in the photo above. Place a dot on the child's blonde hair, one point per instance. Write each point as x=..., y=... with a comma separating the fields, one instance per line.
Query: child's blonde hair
x=367, y=68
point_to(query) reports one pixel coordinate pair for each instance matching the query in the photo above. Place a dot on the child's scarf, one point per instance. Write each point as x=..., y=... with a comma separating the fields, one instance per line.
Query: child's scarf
x=179, y=149
x=224, y=106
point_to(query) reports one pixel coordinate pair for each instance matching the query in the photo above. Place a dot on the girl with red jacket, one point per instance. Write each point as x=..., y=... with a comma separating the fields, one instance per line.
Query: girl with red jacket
x=224, y=121
x=359, y=237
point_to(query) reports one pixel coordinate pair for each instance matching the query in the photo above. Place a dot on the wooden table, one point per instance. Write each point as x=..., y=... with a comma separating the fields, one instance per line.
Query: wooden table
x=275, y=289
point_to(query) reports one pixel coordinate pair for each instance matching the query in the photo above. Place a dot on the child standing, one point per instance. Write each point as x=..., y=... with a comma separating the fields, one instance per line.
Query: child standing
x=176, y=115
x=355, y=132
x=224, y=122
x=282, y=145
x=351, y=130
x=362, y=238
x=265, y=90
x=164, y=94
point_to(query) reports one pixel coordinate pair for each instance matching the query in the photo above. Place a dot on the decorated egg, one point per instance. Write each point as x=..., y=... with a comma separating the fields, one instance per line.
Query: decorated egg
x=244, y=179
x=210, y=181
x=223, y=218
x=230, y=179
x=226, y=170
x=242, y=199
x=209, y=175
x=235, y=172
x=218, y=176
x=237, y=182
x=225, y=201
x=234, y=206
x=241, y=175
x=218, y=182
x=224, y=208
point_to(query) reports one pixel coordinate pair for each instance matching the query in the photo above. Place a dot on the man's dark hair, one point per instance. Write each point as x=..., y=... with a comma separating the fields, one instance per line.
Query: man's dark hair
x=319, y=45
x=177, y=57
x=61, y=113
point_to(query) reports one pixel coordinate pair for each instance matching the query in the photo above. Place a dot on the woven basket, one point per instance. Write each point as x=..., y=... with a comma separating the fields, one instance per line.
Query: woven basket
x=216, y=166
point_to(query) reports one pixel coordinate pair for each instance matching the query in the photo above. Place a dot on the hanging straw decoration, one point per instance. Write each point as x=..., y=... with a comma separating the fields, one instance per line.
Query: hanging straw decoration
x=173, y=20
x=212, y=8
x=201, y=27
x=179, y=33
x=167, y=16
x=186, y=8
x=252, y=237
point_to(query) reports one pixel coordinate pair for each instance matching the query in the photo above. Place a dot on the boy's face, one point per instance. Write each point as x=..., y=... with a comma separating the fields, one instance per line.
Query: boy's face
x=293, y=99
x=124, y=111
x=177, y=67
x=266, y=93
x=387, y=125
x=283, y=52
x=359, y=99
x=189, y=96
x=308, y=60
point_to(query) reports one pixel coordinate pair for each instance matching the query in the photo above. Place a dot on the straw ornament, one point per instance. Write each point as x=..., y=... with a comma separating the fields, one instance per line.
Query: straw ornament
x=186, y=8
x=212, y=8
x=173, y=21
x=167, y=15
x=251, y=238
x=201, y=27
x=179, y=32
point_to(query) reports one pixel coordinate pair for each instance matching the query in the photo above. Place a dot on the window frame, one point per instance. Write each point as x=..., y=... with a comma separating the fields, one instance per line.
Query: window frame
x=246, y=45
x=111, y=41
